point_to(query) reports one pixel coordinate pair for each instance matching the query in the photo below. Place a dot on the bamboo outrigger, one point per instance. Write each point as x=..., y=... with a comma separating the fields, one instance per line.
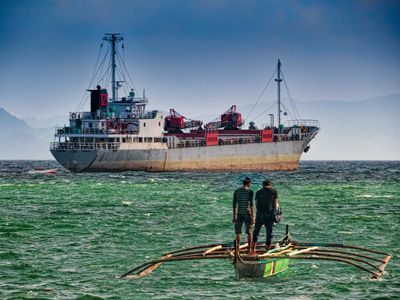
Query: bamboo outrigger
x=263, y=264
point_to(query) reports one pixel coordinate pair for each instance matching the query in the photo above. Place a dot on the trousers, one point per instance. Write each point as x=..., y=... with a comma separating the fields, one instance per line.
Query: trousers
x=267, y=221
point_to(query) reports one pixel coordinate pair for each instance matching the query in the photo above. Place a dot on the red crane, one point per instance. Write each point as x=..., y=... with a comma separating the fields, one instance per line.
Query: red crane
x=176, y=122
x=228, y=120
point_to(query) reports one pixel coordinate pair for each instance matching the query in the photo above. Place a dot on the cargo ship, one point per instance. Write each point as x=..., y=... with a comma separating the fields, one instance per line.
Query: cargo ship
x=119, y=134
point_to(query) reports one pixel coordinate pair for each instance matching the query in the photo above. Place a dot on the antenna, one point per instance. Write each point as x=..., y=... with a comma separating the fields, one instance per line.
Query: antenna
x=113, y=39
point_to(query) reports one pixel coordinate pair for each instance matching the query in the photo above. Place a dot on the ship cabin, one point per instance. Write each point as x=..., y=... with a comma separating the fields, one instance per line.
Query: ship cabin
x=112, y=125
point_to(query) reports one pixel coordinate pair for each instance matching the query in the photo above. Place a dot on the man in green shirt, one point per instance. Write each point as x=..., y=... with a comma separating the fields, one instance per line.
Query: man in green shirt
x=243, y=211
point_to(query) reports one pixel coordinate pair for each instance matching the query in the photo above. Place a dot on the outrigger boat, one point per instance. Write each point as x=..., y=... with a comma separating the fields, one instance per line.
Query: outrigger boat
x=263, y=263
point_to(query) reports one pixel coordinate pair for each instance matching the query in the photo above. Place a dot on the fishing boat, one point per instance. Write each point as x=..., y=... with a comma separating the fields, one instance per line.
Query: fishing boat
x=264, y=263
x=118, y=133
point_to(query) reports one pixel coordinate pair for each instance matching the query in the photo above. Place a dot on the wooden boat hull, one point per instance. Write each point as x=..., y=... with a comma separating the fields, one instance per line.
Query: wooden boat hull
x=261, y=268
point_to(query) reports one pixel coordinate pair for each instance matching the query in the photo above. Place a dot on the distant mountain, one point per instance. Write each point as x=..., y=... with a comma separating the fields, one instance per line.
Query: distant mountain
x=19, y=140
x=8, y=121
x=350, y=130
x=44, y=128
x=46, y=122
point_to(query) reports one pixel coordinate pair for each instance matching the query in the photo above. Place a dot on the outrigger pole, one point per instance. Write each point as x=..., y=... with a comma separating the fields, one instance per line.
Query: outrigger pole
x=289, y=249
x=293, y=250
x=191, y=253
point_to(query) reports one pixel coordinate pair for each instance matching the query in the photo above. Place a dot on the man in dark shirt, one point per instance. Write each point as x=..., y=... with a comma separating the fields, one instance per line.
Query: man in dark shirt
x=266, y=202
x=243, y=211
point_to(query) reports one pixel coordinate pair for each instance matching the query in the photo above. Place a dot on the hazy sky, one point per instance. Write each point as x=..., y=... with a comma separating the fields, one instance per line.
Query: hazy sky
x=198, y=56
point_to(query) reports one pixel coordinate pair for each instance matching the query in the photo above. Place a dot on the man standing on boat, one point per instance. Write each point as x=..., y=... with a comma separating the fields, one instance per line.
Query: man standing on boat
x=266, y=203
x=243, y=211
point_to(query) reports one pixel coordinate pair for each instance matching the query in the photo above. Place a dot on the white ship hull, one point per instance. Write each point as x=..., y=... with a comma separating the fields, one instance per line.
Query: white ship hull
x=283, y=155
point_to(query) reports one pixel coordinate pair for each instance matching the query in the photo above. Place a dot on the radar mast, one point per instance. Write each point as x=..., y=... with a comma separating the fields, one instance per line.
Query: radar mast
x=278, y=81
x=113, y=39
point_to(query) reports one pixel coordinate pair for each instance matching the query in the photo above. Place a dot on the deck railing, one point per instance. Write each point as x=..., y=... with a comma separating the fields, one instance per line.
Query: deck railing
x=236, y=141
x=69, y=131
x=84, y=146
x=87, y=115
x=306, y=134
x=299, y=123
x=179, y=144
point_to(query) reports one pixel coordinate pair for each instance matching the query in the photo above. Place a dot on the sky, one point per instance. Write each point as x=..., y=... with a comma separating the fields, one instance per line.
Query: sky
x=198, y=57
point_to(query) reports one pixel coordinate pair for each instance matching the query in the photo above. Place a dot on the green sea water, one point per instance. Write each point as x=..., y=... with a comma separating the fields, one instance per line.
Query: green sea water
x=70, y=236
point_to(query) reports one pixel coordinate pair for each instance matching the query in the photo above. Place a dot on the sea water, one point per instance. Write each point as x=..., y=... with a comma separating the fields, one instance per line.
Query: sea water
x=71, y=235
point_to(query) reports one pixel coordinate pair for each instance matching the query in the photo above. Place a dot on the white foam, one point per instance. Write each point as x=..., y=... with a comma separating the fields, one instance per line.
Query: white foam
x=373, y=196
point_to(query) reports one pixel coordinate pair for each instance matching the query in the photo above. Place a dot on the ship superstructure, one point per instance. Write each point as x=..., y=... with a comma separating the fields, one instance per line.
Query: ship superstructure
x=118, y=134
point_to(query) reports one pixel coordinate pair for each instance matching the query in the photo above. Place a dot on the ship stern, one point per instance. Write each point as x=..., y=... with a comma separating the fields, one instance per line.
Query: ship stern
x=74, y=160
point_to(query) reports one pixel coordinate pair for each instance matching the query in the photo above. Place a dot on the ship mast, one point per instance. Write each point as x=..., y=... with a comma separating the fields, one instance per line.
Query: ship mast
x=278, y=80
x=113, y=39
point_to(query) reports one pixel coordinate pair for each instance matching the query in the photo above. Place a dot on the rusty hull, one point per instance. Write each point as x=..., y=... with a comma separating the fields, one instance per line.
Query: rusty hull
x=273, y=156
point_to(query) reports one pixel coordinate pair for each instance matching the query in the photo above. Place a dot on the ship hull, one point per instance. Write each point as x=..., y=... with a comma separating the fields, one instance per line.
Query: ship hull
x=284, y=155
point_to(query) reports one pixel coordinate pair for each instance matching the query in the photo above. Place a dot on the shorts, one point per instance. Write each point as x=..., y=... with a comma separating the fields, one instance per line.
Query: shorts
x=240, y=219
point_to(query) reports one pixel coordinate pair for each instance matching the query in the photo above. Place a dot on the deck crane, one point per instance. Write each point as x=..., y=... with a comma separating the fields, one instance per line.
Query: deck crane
x=231, y=119
x=175, y=122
